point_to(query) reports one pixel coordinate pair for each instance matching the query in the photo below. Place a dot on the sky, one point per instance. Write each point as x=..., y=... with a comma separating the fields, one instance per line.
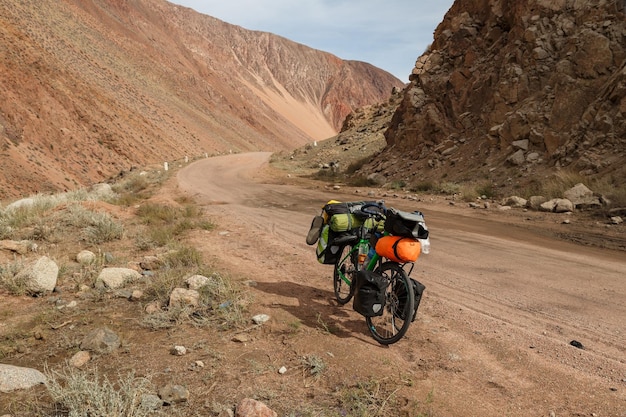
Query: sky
x=389, y=34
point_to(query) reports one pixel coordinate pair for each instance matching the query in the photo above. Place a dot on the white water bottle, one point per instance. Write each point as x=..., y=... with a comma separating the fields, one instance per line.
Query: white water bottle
x=425, y=245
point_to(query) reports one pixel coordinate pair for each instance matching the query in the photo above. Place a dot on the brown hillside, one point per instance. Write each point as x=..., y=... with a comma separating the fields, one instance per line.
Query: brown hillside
x=510, y=92
x=92, y=88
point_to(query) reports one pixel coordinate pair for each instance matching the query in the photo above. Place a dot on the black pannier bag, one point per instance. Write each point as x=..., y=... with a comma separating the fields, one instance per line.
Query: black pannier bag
x=369, y=293
x=401, y=294
x=330, y=244
x=402, y=223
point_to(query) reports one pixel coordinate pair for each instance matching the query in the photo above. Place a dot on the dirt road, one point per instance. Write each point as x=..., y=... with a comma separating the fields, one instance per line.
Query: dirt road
x=502, y=303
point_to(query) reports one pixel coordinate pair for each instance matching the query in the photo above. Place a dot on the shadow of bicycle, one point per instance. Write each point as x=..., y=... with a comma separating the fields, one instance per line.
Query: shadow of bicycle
x=318, y=309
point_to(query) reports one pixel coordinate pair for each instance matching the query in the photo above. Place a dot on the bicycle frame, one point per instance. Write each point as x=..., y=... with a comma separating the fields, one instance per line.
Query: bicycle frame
x=370, y=265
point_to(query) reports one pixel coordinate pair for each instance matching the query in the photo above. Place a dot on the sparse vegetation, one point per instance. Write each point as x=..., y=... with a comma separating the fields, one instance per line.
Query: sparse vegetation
x=368, y=398
x=10, y=281
x=314, y=365
x=80, y=393
x=356, y=165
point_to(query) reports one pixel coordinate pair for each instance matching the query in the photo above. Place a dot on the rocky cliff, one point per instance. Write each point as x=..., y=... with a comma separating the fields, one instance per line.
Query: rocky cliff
x=511, y=91
x=92, y=88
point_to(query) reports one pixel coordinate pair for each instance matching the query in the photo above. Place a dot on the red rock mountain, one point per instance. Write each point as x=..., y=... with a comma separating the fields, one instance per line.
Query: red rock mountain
x=92, y=87
x=511, y=91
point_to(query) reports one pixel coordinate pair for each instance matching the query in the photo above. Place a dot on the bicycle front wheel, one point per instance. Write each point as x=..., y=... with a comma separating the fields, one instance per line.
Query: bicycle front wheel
x=343, y=276
x=393, y=324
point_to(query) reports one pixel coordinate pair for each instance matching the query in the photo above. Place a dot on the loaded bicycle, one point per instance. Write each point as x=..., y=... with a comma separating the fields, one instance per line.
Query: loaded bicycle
x=373, y=248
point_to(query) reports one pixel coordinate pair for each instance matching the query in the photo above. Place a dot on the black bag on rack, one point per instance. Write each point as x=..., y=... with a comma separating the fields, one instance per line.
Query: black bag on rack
x=402, y=223
x=369, y=293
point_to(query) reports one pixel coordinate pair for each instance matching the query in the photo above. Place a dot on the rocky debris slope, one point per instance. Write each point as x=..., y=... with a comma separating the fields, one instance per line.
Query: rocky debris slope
x=512, y=91
x=362, y=136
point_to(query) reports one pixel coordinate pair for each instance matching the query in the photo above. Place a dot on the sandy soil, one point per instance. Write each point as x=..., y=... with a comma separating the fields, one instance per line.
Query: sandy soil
x=503, y=301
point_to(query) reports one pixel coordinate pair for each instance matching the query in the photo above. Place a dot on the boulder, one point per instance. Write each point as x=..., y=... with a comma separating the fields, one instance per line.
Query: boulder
x=14, y=378
x=39, y=276
x=117, y=277
x=102, y=340
x=184, y=297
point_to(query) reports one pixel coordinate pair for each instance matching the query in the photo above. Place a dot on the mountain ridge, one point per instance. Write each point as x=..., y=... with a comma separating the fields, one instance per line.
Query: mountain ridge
x=95, y=88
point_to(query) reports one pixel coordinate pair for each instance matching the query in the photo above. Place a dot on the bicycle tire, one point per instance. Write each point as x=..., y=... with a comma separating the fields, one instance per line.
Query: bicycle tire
x=397, y=315
x=345, y=265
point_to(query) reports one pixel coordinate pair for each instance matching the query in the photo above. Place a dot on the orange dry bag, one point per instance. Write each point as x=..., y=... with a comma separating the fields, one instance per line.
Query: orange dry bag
x=398, y=248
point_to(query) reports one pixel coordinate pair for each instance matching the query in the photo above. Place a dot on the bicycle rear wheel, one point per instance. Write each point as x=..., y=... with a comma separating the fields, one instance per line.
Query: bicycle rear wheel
x=345, y=271
x=393, y=324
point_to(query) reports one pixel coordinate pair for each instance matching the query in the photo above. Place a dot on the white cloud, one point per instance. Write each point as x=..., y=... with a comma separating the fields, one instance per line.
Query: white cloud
x=390, y=34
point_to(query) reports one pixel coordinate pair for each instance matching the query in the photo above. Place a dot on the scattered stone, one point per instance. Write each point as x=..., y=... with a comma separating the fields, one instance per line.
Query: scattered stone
x=521, y=144
x=80, y=359
x=117, y=277
x=616, y=220
x=563, y=205
x=535, y=202
x=14, y=378
x=515, y=201
x=173, y=394
x=557, y=205
x=184, y=297
x=253, y=408
x=102, y=190
x=566, y=221
x=153, y=307
x=39, y=276
x=533, y=157
x=20, y=247
x=150, y=263
x=195, y=282
x=282, y=370
x=241, y=338
x=260, y=319
x=151, y=402
x=577, y=344
x=102, y=340
x=62, y=304
x=516, y=158
x=85, y=257
x=178, y=351
x=582, y=197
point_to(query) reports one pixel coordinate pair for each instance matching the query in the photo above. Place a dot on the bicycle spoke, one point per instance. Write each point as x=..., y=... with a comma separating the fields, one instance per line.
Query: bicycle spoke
x=392, y=325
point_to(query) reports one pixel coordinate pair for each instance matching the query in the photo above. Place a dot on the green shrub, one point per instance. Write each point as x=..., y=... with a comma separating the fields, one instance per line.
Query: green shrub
x=9, y=279
x=184, y=256
x=103, y=229
x=152, y=213
x=424, y=187
x=356, y=165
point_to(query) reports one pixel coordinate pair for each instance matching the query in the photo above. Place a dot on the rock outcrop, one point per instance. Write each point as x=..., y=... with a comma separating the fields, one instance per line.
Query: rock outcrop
x=515, y=90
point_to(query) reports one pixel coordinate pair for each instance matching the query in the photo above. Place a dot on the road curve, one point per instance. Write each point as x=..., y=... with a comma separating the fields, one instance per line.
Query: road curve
x=487, y=283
